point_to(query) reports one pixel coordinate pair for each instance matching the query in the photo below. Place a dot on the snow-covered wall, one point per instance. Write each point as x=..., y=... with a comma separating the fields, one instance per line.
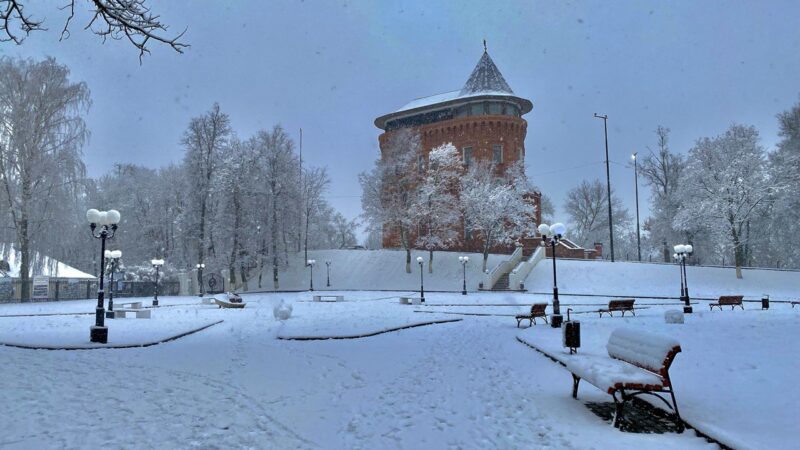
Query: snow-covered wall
x=642, y=279
x=377, y=270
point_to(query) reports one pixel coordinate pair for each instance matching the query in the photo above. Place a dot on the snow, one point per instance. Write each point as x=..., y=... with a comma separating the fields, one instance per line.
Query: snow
x=642, y=348
x=606, y=373
x=377, y=270
x=42, y=265
x=673, y=316
x=467, y=384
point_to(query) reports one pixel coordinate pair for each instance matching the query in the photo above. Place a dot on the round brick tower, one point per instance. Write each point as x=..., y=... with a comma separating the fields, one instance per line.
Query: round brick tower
x=483, y=120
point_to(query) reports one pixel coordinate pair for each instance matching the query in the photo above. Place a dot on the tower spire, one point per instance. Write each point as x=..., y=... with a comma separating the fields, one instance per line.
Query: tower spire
x=484, y=46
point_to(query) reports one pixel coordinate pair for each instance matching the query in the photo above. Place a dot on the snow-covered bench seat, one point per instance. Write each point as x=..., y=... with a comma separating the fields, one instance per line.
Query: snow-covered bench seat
x=537, y=310
x=638, y=363
x=331, y=298
x=728, y=300
x=622, y=304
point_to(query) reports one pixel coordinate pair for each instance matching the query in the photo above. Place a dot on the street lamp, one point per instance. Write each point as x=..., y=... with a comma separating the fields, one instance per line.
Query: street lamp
x=608, y=184
x=107, y=220
x=328, y=266
x=551, y=235
x=682, y=251
x=464, y=260
x=310, y=263
x=636, y=182
x=421, y=280
x=157, y=263
x=113, y=265
x=200, y=267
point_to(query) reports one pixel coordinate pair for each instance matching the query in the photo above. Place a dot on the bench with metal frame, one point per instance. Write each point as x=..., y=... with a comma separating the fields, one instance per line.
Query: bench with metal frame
x=122, y=313
x=728, y=300
x=537, y=310
x=627, y=373
x=621, y=304
x=329, y=298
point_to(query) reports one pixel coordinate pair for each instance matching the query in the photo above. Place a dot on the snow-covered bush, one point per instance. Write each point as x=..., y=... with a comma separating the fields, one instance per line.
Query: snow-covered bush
x=282, y=311
x=673, y=316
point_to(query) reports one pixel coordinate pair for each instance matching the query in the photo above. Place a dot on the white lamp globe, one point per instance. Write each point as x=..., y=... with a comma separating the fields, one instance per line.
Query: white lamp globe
x=544, y=229
x=308, y=263
x=113, y=217
x=419, y=259
x=689, y=248
x=103, y=218
x=93, y=216
x=675, y=255
x=116, y=254
x=107, y=254
x=466, y=258
x=558, y=229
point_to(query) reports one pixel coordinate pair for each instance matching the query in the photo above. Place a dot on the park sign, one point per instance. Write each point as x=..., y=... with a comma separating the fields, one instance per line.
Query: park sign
x=41, y=288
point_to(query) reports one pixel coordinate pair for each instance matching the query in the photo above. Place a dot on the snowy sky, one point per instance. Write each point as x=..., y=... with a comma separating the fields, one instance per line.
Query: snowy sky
x=333, y=67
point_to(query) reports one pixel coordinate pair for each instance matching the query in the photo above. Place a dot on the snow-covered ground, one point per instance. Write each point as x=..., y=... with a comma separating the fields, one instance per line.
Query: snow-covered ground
x=377, y=270
x=642, y=279
x=467, y=384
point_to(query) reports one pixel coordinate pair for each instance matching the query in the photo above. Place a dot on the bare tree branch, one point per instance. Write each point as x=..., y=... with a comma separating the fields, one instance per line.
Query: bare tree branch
x=11, y=12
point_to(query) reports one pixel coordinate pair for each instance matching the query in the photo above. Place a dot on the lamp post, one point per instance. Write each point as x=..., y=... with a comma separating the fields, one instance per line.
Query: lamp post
x=683, y=251
x=310, y=263
x=608, y=183
x=636, y=183
x=200, y=267
x=113, y=265
x=107, y=221
x=464, y=260
x=157, y=263
x=551, y=235
x=328, y=266
x=421, y=280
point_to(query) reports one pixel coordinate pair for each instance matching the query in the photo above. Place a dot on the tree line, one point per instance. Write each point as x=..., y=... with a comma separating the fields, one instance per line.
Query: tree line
x=735, y=201
x=241, y=204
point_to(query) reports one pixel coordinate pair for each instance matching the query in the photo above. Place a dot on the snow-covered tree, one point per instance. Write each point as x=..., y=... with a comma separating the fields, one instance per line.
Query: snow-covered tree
x=494, y=205
x=587, y=208
x=436, y=208
x=204, y=140
x=315, y=182
x=389, y=189
x=41, y=135
x=784, y=164
x=725, y=187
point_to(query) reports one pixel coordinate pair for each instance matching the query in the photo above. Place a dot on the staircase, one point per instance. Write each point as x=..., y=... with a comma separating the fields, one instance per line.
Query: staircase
x=502, y=283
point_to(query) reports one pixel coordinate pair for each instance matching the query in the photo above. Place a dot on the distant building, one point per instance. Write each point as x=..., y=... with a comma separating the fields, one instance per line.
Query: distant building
x=483, y=120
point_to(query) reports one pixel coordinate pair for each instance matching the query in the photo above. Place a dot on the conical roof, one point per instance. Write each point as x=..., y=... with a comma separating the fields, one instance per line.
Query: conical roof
x=486, y=77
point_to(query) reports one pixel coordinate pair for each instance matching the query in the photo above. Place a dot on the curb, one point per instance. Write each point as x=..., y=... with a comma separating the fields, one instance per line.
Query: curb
x=325, y=338
x=139, y=345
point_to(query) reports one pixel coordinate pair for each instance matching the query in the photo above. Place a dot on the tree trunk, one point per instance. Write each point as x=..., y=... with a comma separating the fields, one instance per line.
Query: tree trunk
x=24, y=240
x=738, y=253
x=274, y=230
x=430, y=261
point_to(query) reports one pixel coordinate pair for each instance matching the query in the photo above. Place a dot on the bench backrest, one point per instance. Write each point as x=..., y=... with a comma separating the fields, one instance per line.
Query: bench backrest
x=730, y=299
x=649, y=351
x=538, y=308
x=621, y=303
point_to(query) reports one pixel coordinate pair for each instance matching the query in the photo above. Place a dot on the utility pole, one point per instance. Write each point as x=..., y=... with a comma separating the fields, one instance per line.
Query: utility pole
x=636, y=181
x=302, y=206
x=608, y=183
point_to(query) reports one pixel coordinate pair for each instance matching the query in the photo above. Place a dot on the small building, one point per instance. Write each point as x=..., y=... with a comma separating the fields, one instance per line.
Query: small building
x=50, y=279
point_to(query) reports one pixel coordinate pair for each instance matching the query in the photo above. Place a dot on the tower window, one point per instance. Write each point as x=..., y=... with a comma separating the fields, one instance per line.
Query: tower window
x=420, y=164
x=497, y=153
x=467, y=155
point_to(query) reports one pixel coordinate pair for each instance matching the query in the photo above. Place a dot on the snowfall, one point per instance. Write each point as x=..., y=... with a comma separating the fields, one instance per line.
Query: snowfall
x=369, y=372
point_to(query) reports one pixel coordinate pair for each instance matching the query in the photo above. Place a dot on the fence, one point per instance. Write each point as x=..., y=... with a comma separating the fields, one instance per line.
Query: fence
x=72, y=289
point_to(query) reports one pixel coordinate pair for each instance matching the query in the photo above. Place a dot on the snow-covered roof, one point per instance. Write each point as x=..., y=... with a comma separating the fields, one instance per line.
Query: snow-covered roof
x=485, y=80
x=41, y=265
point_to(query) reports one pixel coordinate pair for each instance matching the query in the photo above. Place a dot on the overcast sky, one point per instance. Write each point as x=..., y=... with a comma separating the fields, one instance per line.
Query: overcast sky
x=333, y=67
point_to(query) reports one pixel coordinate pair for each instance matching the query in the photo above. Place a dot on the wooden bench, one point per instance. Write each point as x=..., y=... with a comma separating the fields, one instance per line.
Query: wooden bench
x=537, y=310
x=329, y=298
x=122, y=313
x=728, y=300
x=410, y=300
x=638, y=363
x=622, y=304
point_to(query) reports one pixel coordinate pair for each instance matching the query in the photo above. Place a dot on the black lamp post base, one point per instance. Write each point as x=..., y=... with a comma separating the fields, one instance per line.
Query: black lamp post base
x=687, y=310
x=556, y=320
x=463, y=292
x=155, y=303
x=98, y=334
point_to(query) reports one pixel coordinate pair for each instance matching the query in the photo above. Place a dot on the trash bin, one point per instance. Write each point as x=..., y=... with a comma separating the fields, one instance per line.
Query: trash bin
x=571, y=334
x=765, y=301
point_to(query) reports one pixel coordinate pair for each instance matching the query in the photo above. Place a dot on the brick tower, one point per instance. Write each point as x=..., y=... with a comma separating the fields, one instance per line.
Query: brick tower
x=483, y=120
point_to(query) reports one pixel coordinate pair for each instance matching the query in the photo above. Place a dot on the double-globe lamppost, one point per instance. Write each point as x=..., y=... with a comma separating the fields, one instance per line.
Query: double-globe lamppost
x=550, y=236
x=328, y=266
x=157, y=263
x=421, y=280
x=200, y=267
x=310, y=263
x=103, y=225
x=683, y=251
x=113, y=266
x=464, y=260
